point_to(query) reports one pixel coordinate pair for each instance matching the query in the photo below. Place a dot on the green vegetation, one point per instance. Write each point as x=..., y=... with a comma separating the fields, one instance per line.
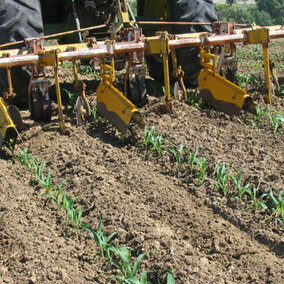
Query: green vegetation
x=222, y=177
x=242, y=189
x=243, y=14
x=153, y=142
x=197, y=168
x=264, y=12
x=119, y=257
x=255, y=202
x=275, y=118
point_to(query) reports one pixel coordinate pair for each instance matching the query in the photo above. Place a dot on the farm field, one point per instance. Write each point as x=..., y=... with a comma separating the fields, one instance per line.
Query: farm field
x=179, y=198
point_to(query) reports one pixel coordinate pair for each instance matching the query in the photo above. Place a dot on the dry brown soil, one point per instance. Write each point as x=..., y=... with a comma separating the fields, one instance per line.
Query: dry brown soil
x=183, y=225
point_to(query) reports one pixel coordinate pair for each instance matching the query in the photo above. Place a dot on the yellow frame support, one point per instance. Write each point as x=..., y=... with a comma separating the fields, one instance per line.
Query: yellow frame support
x=262, y=36
x=161, y=46
x=51, y=58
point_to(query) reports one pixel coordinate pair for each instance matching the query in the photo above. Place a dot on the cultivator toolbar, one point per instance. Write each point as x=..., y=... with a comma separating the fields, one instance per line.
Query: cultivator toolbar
x=216, y=81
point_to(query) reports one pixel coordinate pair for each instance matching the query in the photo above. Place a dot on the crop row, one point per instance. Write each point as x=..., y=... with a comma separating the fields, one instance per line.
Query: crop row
x=118, y=257
x=188, y=162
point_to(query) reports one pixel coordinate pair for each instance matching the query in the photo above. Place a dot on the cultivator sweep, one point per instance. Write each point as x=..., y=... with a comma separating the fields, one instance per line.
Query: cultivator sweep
x=216, y=81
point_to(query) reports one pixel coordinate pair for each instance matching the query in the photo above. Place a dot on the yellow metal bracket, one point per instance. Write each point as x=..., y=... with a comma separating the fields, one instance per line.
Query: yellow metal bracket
x=113, y=105
x=51, y=58
x=8, y=130
x=10, y=93
x=262, y=36
x=218, y=91
x=161, y=46
x=123, y=18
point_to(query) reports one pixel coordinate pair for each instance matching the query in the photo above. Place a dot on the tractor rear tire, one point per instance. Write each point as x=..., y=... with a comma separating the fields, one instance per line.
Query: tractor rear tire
x=19, y=19
x=201, y=11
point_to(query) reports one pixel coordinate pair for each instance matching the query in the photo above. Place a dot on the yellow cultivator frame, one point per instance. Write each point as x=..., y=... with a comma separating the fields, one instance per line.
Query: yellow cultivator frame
x=8, y=130
x=219, y=91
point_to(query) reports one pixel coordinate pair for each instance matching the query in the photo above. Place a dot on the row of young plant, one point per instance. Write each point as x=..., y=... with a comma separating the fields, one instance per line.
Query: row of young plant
x=274, y=117
x=189, y=163
x=119, y=257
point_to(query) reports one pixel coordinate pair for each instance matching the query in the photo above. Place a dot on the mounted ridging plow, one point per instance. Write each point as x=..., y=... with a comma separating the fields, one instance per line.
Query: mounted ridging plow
x=216, y=80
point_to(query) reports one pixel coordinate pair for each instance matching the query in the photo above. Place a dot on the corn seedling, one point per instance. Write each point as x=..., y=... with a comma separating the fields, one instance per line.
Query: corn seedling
x=278, y=211
x=86, y=69
x=66, y=64
x=170, y=278
x=280, y=92
x=192, y=159
x=73, y=214
x=192, y=97
x=72, y=97
x=59, y=192
x=47, y=183
x=178, y=155
x=222, y=176
x=202, y=163
x=275, y=119
x=27, y=159
x=94, y=112
x=102, y=240
x=241, y=188
x=148, y=137
x=123, y=262
x=255, y=202
x=260, y=112
x=157, y=144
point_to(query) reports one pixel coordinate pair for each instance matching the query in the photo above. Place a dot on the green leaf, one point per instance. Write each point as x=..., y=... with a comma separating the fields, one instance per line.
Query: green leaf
x=170, y=278
x=144, y=277
x=137, y=264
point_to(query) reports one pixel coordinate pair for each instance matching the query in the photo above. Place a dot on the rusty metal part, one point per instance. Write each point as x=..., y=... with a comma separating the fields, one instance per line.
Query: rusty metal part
x=40, y=102
x=54, y=35
x=16, y=117
x=102, y=49
x=82, y=108
x=178, y=73
x=112, y=104
x=182, y=23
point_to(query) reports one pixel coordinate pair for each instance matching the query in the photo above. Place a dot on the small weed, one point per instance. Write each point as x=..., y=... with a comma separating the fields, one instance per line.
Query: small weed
x=222, y=176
